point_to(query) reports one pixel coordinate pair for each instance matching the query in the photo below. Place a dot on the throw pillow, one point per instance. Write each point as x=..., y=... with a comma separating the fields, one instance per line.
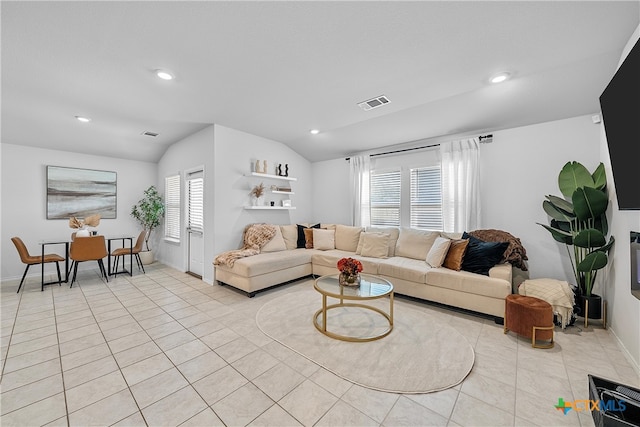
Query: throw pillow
x=393, y=232
x=324, y=239
x=290, y=235
x=375, y=245
x=347, y=237
x=438, y=252
x=361, y=240
x=415, y=243
x=455, y=255
x=482, y=256
x=302, y=241
x=276, y=244
x=308, y=238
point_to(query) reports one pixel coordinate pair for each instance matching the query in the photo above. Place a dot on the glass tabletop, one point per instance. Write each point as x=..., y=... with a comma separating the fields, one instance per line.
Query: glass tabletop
x=370, y=287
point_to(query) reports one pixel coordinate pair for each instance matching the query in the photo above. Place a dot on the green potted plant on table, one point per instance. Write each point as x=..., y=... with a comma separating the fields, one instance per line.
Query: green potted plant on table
x=579, y=220
x=148, y=212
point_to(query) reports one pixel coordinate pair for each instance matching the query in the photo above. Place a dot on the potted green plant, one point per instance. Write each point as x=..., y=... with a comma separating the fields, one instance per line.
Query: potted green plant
x=148, y=212
x=579, y=220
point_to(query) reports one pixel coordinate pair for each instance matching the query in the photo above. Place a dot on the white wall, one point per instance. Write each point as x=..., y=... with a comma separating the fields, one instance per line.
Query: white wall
x=24, y=210
x=235, y=155
x=624, y=308
x=330, y=189
x=195, y=151
x=518, y=169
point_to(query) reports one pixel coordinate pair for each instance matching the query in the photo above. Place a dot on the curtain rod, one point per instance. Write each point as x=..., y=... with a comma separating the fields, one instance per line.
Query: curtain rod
x=480, y=138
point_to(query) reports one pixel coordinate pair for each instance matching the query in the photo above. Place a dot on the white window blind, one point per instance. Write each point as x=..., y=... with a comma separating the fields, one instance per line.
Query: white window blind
x=172, y=208
x=426, y=198
x=385, y=198
x=196, y=204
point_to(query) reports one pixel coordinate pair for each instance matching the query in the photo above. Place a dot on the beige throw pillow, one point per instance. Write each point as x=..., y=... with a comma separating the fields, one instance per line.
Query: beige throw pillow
x=324, y=239
x=393, y=232
x=290, y=235
x=414, y=243
x=375, y=245
x=438, y=252
x=347, y=237
x=276, y=244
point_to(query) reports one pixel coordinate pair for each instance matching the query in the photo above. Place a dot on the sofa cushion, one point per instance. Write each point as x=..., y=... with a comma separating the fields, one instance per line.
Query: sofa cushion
x=455, y=254
x=438, y=252
x=409, y=269
x=302, y=240
x=276, y=244
x=290, y=235
x=393, y=232
x=465, y=281
x=269, y=262
x=374, y=245
x=414, y=243
x=324, y=239
x=347, y=237
x=481, y=256
x=330, y=259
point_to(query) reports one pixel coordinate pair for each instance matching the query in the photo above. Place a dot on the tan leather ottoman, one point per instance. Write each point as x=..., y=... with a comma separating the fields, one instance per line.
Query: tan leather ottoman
x=530, y=317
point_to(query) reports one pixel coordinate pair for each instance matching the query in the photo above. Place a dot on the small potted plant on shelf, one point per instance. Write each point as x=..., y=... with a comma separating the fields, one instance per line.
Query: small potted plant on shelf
x=579, y=221
x=148, y=212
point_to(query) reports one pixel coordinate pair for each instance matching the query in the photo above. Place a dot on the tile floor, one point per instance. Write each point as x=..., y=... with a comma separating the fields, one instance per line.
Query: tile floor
x=167, y=349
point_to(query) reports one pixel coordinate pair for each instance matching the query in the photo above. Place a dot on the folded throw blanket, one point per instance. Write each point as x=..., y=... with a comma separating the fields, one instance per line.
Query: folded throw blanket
x=254, y=237
x=515, y=254
x=556, y=292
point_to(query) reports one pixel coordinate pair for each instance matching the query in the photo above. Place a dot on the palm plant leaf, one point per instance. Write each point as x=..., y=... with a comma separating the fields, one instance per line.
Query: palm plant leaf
x=589, y=238
x=594, y=261
x=599, y=177
x=573, y=176
x=589, y=203
x=561, y=203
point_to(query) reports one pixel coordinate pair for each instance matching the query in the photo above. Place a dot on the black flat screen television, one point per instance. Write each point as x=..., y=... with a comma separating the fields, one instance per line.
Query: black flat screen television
x=620, y=106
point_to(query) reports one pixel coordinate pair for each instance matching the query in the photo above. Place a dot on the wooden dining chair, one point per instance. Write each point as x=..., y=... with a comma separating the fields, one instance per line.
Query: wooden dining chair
x=88, y=249
x=30, y=260
x=122, y=252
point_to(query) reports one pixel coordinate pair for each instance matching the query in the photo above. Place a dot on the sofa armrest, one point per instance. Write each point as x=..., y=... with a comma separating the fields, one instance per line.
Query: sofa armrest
x=501, y=271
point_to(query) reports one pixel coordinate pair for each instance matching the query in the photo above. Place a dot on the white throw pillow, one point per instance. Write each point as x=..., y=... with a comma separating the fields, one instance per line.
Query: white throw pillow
x=347, y=237
x=324, y=239
x=438, y=252
x=414, y=243
x=375, y=245
x=290, y=235
x=276, y=244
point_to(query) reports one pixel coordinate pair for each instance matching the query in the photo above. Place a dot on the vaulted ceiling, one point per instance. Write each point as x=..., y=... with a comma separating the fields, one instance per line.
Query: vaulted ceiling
x=280, y=69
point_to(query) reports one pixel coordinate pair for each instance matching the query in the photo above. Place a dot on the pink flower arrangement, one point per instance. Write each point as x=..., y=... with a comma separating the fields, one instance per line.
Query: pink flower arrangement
x=350, y=266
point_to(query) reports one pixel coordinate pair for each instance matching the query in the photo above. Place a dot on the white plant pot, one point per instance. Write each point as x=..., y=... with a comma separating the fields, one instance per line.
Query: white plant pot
x=146, y=257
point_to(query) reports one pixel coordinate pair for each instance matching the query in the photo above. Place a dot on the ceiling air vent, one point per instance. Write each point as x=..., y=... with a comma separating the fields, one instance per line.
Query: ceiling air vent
x=151, y=134
x=372, y=103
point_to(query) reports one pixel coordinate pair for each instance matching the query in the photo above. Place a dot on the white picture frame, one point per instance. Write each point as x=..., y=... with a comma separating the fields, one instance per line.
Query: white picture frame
x=286, y=203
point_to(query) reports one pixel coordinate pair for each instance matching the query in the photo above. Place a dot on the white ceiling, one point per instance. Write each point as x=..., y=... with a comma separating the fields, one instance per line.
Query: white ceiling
x=279, y=69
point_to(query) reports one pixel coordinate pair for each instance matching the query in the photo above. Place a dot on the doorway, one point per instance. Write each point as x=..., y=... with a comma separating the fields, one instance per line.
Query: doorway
x=195, y=222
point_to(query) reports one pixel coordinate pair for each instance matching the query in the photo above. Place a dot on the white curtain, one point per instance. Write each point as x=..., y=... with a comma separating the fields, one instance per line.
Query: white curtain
x=359, y=174
x=460, y=162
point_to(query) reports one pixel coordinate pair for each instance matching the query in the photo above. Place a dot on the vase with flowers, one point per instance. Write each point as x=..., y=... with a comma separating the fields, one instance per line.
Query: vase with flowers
x=350, y=269
x=257, y=194
x=80, y=225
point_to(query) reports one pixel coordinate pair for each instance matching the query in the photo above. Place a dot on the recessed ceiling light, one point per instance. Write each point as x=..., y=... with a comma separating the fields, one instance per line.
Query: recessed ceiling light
x=83, y=119
x=314, y=131
x=164, y=75
x=500, y=77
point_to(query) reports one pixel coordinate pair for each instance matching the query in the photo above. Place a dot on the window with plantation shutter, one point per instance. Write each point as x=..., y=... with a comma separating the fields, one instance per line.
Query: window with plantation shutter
x=172, y=208
x=196, y=206
x=426, y=198
x=385, y=198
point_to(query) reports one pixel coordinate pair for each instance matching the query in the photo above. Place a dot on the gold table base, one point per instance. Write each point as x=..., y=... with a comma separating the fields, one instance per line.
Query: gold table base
x=325, y=308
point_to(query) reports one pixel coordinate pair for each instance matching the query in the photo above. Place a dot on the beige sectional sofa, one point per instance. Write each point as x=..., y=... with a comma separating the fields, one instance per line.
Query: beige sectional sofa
x=403, y=263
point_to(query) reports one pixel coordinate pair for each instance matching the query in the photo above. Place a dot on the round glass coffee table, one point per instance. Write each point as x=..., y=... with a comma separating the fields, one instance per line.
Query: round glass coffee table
x=371, y=288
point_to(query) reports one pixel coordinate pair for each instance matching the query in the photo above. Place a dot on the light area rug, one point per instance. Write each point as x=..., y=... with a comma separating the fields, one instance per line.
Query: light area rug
x=420, y=355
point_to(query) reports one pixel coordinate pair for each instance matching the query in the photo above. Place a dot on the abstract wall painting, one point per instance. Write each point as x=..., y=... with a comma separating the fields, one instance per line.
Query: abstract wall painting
x=80, y=193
